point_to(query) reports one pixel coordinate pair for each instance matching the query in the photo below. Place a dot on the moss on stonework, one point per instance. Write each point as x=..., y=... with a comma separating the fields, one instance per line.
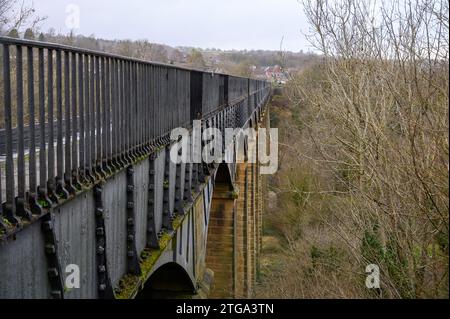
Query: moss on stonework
x=235, y=193
x=127, y=287
x=7, y=223
x=129, y=284
x=177, y=221
x=43, y=203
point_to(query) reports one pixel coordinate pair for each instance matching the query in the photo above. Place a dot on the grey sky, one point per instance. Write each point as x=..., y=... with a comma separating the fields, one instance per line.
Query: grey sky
x=225, y=24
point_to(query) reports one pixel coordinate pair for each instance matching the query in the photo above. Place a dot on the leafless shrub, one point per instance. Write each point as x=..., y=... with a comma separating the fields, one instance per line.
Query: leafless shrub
x=375, y=120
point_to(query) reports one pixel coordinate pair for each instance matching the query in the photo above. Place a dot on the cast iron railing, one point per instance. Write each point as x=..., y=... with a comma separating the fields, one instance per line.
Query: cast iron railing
x=72, y=116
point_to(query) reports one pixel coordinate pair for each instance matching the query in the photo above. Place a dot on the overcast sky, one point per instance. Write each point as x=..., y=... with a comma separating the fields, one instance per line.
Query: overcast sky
x=224, y=24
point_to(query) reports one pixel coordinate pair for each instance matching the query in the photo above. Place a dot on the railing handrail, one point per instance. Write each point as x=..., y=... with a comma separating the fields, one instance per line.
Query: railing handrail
x=74, y=49
x=105, y=111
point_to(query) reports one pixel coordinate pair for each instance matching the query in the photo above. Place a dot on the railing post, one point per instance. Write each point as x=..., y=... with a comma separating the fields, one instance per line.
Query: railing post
x=9, y=207
x=51, y=183
x=21, y=207
x=32, y=194
x=42, y=188
x=81, y=110
x=74, y=151
x=67, y=127
x=60, y=181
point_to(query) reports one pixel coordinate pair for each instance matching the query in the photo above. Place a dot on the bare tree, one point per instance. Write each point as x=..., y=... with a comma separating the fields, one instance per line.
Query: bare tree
x=378, y=107
x=16, y=15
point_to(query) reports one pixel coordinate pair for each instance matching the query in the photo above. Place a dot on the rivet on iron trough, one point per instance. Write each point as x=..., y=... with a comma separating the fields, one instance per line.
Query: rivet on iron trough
x=50, y=249
x=99, y=231
x=52, y=272
x=100, y=250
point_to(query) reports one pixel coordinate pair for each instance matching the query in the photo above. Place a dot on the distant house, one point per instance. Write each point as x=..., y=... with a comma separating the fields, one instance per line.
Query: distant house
x=275, y=74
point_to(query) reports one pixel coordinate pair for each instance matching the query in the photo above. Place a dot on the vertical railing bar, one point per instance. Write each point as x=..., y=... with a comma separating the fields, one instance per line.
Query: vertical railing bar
x=120, y=112
x=32, y=182
x=113, y=110
x=98, y=145
x=126, y=109
x=158, y=104
x=143, y=113
x=133, y=128
x=114, y=106
x=67, y=125
x=166, y=100
x=135, y=95
x=20, y=200
x=149, y=104
x=31, y=139
x=60, y=189
x=51, y=184
x=146, y=116
x=145, y=92
x=108, y=112
x=141, y=116
x=42, y=190
x=129, y=110
x=20, y=137
x=125, y=106
x=73, y=93
x=87, y=127
x=152, y=103
x=171, y=95
x=81, y=106
x=92, y=101
x=156, y=101
x=175, y=99
x=137, y=107
x=151, y=94
x=9, y=206
x=104, y=115
x=162, y=100
x=124, y=113
x=159, y=107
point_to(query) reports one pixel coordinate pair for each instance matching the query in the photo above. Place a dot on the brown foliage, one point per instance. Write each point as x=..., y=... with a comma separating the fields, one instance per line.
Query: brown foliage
x=369, y=138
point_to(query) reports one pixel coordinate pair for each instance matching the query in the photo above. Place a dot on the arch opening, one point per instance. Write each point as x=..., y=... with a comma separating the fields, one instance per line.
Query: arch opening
x=168, y=281
x=223, y=177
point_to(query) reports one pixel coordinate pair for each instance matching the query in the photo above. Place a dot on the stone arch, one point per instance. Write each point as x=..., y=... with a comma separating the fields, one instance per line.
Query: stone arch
x=223, y=176
x=170, y=280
